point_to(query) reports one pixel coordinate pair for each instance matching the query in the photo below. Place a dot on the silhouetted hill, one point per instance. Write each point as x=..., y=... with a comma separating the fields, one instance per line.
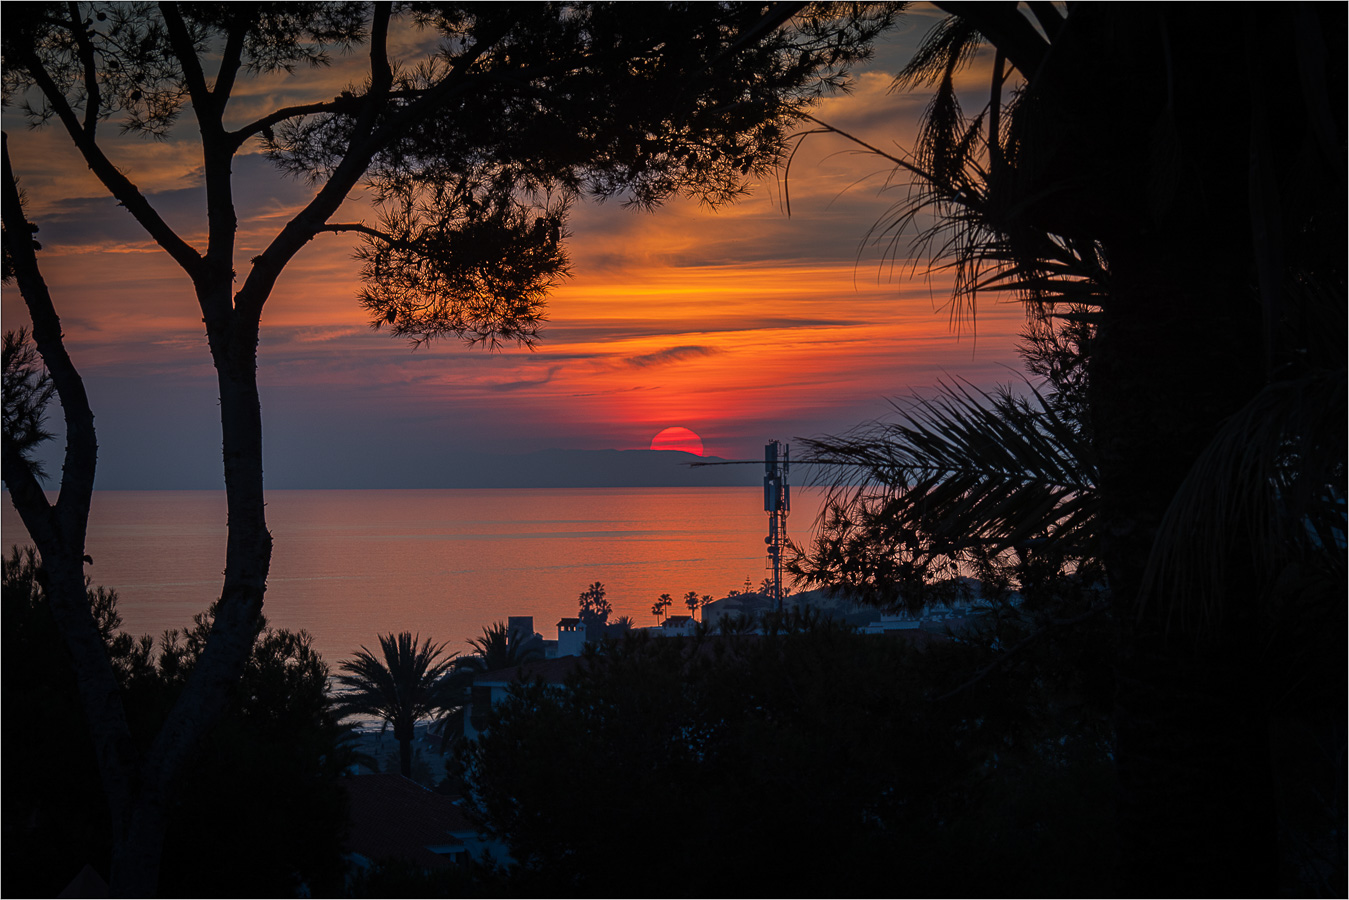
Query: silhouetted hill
x=596, y=468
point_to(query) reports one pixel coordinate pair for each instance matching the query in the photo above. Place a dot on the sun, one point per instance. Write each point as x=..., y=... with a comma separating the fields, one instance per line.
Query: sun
x=677, y=438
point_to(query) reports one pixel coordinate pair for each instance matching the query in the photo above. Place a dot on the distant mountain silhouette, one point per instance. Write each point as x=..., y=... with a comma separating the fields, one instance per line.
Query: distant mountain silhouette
x=429, y=467
x=596, y=468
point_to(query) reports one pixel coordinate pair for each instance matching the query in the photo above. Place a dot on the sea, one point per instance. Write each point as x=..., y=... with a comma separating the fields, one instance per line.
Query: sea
x=349, y=565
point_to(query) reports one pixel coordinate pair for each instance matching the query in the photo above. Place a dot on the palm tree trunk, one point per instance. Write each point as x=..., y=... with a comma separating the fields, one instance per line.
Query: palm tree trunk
x=404, y=732
x=1195, y=786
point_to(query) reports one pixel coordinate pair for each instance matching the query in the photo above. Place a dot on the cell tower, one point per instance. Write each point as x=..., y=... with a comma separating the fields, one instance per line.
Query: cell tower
x=777, y=502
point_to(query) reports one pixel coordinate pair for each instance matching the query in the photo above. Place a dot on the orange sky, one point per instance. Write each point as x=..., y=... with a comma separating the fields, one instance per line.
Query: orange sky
x=743, y=325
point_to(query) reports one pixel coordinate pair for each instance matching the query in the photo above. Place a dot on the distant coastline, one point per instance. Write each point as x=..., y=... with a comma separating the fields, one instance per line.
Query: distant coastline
x=539, y=469
x=599, y=468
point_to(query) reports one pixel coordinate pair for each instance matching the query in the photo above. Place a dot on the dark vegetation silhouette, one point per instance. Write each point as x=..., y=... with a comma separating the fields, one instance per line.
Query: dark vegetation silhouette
x=807, y=760
x=695, y=602
x=406, y=683
x=472, y=154
x=1177, y=230
x=661, y=607
x=400, y=878
x=499, y=648
x=1158, y=531
x=1000, y=484
x=28, y=391
x=1170, y=512
x=594, y=607
x=260, y=810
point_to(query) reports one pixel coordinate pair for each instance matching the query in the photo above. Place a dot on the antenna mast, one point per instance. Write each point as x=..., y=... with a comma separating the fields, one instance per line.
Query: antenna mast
x=777, y=503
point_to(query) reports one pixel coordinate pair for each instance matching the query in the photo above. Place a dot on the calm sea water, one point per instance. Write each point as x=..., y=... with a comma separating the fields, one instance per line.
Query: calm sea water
x=349, y=565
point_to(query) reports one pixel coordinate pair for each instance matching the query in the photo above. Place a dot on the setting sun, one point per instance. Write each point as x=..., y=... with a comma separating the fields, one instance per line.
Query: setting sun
x=678, y=439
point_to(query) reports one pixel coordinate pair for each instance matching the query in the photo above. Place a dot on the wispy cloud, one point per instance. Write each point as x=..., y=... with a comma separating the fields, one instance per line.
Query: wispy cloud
x=524, y=382
x=670, y=355
x=742, y=324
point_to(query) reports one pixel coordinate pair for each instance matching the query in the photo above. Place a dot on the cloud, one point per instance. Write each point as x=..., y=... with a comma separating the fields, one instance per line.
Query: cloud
x=610, y=332
x=670, y=355
x=743, y=324
x=524, y=382
x=612, y=391
x=321, y=335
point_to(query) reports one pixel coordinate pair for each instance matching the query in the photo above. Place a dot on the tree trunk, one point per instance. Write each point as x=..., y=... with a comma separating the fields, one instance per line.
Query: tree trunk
x=403, y=732
x=59, y=533
x=138, y=847
x=139, y=843
x=405, y=756
x=1134, y=134
x=248, y=553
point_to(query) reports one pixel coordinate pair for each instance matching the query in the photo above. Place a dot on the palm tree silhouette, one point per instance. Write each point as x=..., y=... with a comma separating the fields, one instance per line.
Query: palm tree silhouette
x=964, y=470
x=662, y=604
x=497, y=649
x=1196, y=221
x=407, y=685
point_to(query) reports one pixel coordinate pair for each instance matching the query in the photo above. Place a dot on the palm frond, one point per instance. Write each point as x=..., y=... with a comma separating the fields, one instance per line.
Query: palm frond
x=964, y=471
x=407, y=684
x=1265, y=498
x=957, y=218
x=946, y=48
x=498, y=648
x=971, y=458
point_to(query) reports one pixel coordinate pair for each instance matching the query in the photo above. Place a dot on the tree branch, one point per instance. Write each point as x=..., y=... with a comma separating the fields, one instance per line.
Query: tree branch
x=381, y=79
x=452, y=84
x=360, y=228
x=217, y=154
x=59, y=531
x=121, y=187
x=181, y=44
x=230, y=61
x=381, y=74
x=310, y=221
x=77, y=478
x=775, y=17
x=252, y=129
x=903, y=164
x=995, y=114
x=86, y=51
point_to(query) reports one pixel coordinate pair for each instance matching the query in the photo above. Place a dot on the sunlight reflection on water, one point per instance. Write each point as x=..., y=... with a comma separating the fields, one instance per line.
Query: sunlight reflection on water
x=349, y=565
